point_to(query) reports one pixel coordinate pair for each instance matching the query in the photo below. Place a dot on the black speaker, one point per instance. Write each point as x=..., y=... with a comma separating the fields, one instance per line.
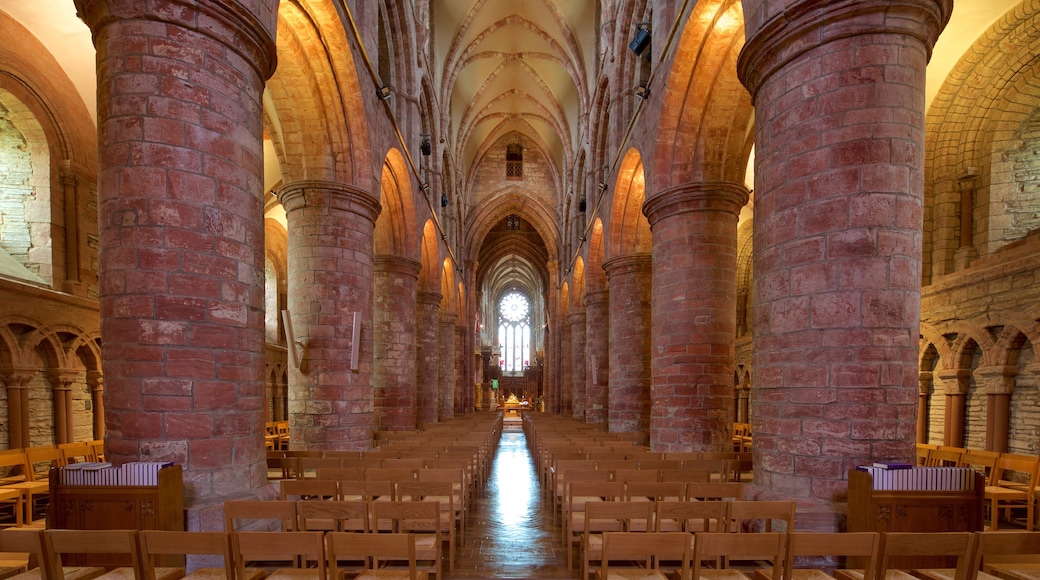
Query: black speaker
x=640, y=42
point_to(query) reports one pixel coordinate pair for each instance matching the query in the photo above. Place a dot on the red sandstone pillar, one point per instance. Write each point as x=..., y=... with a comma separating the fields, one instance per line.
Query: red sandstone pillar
x=956, y=383
x=566, y=383
x=331, y=228
x=427, y=346
x=61, y=389
x=630, y=282
x=577, y=323
x=998, y=382
x=96, y=384
x=18, y=423
x=597, y=330
x=924, y=392
x=838, y=89
x=394, y=281
x=180, y=206
x=446, y=367
x=693, y=315
x=463, y=387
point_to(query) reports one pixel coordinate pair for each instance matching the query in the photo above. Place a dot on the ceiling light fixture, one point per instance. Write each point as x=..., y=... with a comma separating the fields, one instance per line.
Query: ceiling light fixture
x=643, y=91
x=383, y=92
x=602, y=186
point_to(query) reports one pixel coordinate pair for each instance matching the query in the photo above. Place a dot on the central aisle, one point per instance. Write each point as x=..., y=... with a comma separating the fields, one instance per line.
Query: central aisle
x=510, y=533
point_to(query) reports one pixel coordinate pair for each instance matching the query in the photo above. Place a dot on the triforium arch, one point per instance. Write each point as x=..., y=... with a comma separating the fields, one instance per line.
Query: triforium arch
x=979, y=193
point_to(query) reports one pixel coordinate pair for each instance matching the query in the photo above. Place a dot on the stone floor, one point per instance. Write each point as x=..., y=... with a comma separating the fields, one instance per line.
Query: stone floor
x=510, y=531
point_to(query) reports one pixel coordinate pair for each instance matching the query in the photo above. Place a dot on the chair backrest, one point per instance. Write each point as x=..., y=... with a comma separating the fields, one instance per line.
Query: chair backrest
x=655, y=490
x=715, y=546
x=308, y=489
x=997, y=547
x=634, y=475
x=292, y=549
x=406, y=516
x=985, y=462
x=340, y=473
x=921, y=451
x=78, y=452
x=366, y=490
x=617, y=516
x=338, y=515
x=391, y=474
x=760, y=515
x=259, y=515
x=690, y=516
x=42, y=458
x=155, y=543
x=903, y=550
x=650, y=548
x=1025, y=466
x=13, y=464
x=944, y=456
x=726, y=490
x=108, y=548
x=812, y=545
x=29, y=541
x=376, y=549
x=686, y=475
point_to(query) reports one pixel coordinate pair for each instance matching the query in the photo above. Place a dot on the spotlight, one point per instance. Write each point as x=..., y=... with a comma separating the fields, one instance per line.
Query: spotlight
x=425, y=187
x=602, y=186
x=444, y=200
x=383, y=92
x=426, y=148
x=582, y=204
x=641, y=40
x=643, y=92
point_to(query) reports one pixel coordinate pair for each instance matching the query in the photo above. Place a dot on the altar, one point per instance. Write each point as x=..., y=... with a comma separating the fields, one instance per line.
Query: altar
x=512, y=408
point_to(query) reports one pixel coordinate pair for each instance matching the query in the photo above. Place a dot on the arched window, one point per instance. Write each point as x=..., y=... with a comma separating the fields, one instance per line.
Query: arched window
x=514, y=161
x=514, y=332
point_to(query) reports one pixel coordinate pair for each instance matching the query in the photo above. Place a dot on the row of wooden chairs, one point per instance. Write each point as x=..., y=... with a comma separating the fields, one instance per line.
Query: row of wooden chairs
x=276, y=435
x=1012, y=480
x=798, y=555
x=417, y=515
x=588, y=519
x=24, y=472
x=161, y=554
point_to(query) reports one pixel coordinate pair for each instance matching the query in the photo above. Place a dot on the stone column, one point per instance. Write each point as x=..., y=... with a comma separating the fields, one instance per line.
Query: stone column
x=566, y=358
x=17, y=380
x=597, y=331
x=630, y=281
x=694, y=322
x=464, y=390
x=956, y=383
x=838, y=91
x=428, y=334
x=180, y=211
x=577, y=323
x=446, y=370
x=331, y=228
x=394, y=342
x=96, y=384
x=61, y=389
x=998, y=382
x=924, y=393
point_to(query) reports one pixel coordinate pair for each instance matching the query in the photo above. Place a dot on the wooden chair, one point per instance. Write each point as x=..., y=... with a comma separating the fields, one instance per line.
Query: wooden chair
x=97, y=449
x=13, y=498
x=621, y=549
x=340, y=473
x=115, y=550
x=728, y=547
x=420, y=518
x=718, y=468
x=156, y=543
x=579, y=495
x=28, y=487
x=352, y=490
x=42, y=459
x=460, y=493
x=637, y=475
x=811, y=547
x=612, y=516
x=308, y=489
x=655, y=491
x=1010, y=555
x=686, y=475
x=1013, y=493
x=379, y=552
x=335, y=515
x=921, y=451
x=31, y=543
x=394, y=474
x=296, y=555
x=259, y=515
x=442, y=494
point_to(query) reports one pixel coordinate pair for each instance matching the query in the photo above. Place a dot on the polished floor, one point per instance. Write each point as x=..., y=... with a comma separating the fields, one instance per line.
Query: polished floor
x=510, y=531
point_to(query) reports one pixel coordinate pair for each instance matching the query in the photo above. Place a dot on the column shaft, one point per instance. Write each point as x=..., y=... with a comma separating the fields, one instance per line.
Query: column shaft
x=597, y=331
x=628, y=394
x=446, y=362
x=577, y=353
x=395, y=347
x=427, y=356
